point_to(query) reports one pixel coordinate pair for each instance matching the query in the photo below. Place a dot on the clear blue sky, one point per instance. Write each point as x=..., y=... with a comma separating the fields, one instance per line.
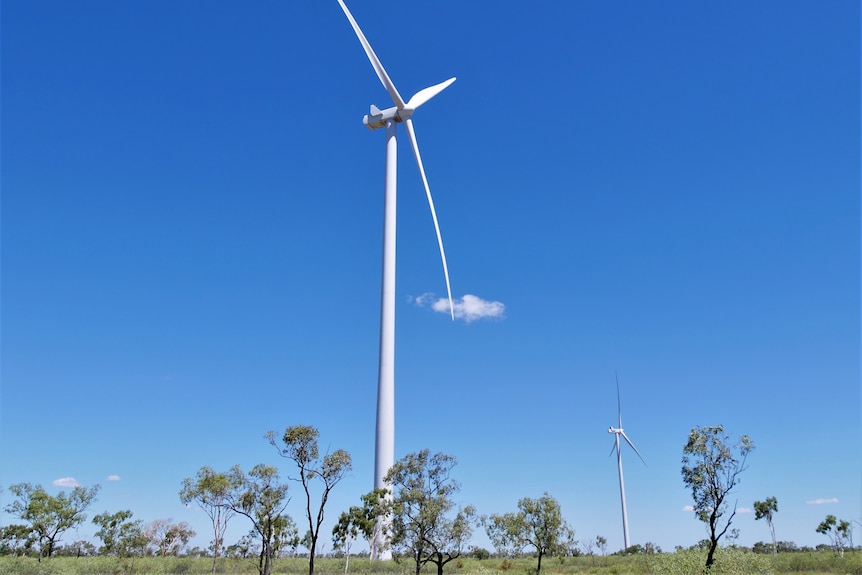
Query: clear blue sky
x=191, y=240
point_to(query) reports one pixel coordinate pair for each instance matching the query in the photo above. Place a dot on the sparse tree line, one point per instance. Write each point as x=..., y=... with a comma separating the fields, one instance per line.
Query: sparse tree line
x=46, y=518
x=417, y=519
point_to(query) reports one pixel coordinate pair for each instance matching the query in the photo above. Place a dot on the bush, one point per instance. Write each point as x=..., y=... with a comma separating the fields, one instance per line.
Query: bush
x=727, y=562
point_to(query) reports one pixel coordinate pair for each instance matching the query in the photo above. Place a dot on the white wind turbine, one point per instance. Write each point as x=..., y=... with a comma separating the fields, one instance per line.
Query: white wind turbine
x=389, y=118
x=618, y=431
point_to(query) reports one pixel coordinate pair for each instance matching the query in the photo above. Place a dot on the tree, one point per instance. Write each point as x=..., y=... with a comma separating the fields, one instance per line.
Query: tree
x=538, y=523
x=261, y=498
x=648, y=548
x=47, y=516
x=765, y=510
x=425, y=521
x=211, y=491
x=245, y=547
x=300, y=445
x=120, y=535
x=358, y=521
x=165, y=538
x=16, y=539
x=838, y=532
x=602, y=544
x=79, y=548
x=711, y=469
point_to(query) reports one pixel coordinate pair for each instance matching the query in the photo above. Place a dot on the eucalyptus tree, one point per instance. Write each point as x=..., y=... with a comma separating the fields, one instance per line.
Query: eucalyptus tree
x=538, y=523
x=120, y=534
x=766, y=510
x=838, y=531
x=47, y=516
x=602, y=544
x=360, y=520
x=426, y=523
x=711, y=467
x=261, y=498
x=211, y=491
x=167, y=538
x=16, y=540
x=300, y=446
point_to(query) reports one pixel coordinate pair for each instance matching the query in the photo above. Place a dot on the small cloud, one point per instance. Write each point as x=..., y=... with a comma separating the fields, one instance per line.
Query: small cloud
x=688, y=508
x=66, y=482
x=113, y=478
x=469, y=308
x=743, y=510
x=822, y=501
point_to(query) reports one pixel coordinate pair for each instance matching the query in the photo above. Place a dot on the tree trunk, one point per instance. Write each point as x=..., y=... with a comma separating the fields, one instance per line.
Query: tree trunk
x=710, y=557
x=539, y=566
x=774, y=543
x=265, y=566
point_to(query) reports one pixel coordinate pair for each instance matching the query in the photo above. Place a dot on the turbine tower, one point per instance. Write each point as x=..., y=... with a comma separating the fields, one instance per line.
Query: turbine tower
x=401, y=113
x=618, y=431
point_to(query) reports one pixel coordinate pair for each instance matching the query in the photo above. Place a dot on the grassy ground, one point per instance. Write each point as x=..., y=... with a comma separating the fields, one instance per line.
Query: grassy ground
x=680, y=563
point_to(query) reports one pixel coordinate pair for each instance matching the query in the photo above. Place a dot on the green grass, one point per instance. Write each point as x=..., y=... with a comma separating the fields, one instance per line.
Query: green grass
x=678, y=563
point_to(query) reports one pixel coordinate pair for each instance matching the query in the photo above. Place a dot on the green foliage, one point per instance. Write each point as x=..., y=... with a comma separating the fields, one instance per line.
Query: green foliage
x=425, y=521
x=602, y=544
x=300, y=445
x=689, y=562
x=766, y=510
x=361, y=520
x=261, y=498
x=726, y=562
x=48, y=517
x=818, y=562
x=538, y=523
x=838, y=531
x=211, y=491
x=166, y=538
x=711, y=469
x=120, y=534
x=648, y=548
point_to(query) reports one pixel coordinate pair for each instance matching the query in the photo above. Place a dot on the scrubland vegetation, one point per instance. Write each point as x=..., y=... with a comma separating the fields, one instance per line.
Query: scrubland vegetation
x=427, y=530
x=684, y=562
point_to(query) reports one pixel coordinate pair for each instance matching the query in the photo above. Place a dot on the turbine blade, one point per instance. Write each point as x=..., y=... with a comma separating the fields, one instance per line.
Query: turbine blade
x=423, y=96
x=613, y=448
x=408, y=124
x=619, y=406
x=632, y=445
x=375, y=61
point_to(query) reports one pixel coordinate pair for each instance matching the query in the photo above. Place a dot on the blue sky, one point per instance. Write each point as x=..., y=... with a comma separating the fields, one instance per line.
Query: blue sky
x=191, y=240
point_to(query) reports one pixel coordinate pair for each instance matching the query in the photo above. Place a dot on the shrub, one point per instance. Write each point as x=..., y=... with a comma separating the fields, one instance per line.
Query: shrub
x=727, y=562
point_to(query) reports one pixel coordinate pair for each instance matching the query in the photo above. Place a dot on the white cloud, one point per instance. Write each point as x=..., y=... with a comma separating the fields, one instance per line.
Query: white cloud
x=688, y=508
x=113, y=478
x=66, y=482
x=822, y=501
x=469, y=308
x=743, y=510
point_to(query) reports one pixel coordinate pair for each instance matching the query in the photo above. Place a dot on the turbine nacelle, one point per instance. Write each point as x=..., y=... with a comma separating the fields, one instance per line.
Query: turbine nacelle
x=378, y=118
x=612, y=429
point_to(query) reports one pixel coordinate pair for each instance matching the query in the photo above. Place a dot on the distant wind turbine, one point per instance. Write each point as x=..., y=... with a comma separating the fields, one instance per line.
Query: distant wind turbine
x=618, y=431
x=389, y=118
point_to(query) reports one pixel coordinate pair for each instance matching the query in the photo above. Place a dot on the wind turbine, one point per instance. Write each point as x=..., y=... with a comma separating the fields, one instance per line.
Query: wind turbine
x=401, y=113
x=618, y=431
